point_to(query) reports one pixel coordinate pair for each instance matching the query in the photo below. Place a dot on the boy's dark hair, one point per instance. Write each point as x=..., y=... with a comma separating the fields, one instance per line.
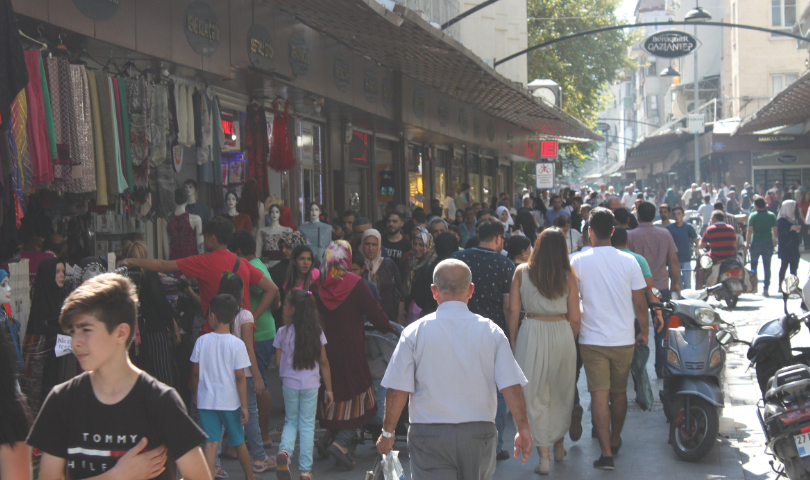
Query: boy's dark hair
x=482, y=212
x=516, y=245
x=472, y=242
x=232, y=284
x=307, y=327
x=601, y=222
x=759, y=202
x=224, y=307
x=621, y=215
x=358, y=259
x=489, y=229
x=619, y=237
x=678, y=208
x=646, y=212
x=180, y=196
x=244, y=241
x=112, y=299
x=419, y=215
x=719, y=206
x=221, y=228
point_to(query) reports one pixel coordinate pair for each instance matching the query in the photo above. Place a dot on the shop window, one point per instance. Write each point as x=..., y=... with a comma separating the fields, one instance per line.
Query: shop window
x=358, y=190
x=488, y=182
x=474, y=175
x=457, y=171
x=416, y=190
x=309, y=181
x=386, y=175
x=440, y=174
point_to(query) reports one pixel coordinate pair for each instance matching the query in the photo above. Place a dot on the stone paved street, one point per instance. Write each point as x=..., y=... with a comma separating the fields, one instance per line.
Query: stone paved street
x=739, y=453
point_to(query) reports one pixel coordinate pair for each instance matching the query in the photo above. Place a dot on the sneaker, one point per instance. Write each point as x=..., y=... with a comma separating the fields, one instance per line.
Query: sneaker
x=604, y=463
x=283, y=465
x=575, y=430
x=305, y=476
x=765, y=293
x=220, y=473
x=260, y=466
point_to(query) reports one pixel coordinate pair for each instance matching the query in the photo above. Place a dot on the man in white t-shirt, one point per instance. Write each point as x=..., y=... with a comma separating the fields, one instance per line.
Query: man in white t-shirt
x=612, y=293
x=449, y=205
x=628, y=199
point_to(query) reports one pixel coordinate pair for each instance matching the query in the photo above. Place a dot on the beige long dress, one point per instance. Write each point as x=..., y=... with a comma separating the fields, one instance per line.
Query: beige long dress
x=547, y=355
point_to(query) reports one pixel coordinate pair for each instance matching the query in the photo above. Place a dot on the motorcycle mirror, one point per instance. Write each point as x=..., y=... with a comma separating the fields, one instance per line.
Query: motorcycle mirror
x=790, y=284
x=706, y=262
x=725, y=338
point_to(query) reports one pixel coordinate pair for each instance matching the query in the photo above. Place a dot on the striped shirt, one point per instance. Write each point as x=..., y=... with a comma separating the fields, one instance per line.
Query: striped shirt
x=722, y=240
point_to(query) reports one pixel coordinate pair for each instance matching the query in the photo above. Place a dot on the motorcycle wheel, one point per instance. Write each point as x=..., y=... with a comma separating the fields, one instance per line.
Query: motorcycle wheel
x=693, y=442
x=732, y=302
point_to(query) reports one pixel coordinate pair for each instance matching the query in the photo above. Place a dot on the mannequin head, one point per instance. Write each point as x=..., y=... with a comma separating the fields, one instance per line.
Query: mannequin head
x=190, y=189
x=180, y=197
x=60, y=275
x=5, y=288
x=275, y=214
x=92, y=267
x=231, y=201
x=314, y=212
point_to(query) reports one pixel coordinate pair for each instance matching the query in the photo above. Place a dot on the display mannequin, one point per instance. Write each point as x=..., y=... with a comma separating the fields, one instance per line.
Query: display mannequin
x=317, y=233
x=9, y=325
x=267, y=238
x=183, y=235
x=241, y=221
x=193, y=206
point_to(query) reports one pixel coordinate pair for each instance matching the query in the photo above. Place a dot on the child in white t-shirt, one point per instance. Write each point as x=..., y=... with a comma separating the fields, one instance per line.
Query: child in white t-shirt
x=219, y=388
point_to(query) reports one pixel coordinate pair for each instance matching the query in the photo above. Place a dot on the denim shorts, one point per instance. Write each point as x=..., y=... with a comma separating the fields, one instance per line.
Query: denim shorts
x=212, y=422
x=264, y=356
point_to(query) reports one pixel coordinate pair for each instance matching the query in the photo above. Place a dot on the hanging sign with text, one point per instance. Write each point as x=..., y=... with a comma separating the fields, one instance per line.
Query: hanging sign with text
x=670, y=44
x=544, y=174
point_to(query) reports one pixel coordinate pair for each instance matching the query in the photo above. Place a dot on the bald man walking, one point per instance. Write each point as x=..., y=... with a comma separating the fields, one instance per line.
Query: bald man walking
x=449, y=364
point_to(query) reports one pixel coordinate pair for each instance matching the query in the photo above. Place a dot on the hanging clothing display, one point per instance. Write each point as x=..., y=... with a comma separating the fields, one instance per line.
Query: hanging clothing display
x=209, y=152
x=98, y=142
x=37, y=124
x=115, y=102
x=281, y=155
x=59, y=89
x=46, y=101
x=13, y=74
x=182, y=237
x=83, y=176
x=19, y=121
x=139, y=131
x=123, y=114
x=105, y=110
x=258, y=147
x=159, y=123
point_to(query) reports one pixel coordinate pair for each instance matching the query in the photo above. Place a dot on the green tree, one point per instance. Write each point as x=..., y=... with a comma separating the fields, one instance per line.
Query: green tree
x=583, y=66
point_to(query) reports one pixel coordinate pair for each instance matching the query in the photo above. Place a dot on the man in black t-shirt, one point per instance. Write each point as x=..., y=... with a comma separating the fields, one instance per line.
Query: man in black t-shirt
x=394, y=242
x=114, y=417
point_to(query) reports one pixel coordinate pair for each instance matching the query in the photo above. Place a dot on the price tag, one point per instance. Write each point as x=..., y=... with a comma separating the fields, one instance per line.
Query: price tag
x=62, y=345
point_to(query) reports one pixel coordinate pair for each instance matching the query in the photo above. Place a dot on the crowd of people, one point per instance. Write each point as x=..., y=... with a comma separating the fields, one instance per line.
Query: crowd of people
x=541, y=286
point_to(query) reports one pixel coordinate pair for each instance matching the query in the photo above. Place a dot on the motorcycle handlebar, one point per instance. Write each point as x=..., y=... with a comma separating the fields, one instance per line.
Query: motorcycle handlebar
x=666, y=305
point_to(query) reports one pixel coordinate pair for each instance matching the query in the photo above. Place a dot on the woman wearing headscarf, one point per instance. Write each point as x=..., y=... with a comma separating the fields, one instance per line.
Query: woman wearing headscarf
x=505, y=218
x=384, y=273
x=43, y=370
x=789, y=239
x=344, y=304
x=670, y=198
x=286, y=219
x=416, y=291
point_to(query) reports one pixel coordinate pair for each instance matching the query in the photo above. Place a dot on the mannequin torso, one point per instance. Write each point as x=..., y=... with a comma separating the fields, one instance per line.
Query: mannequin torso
x=318, y=234
x=241, y=221
x=267, y=237
x=177, y=238
x=194, y=207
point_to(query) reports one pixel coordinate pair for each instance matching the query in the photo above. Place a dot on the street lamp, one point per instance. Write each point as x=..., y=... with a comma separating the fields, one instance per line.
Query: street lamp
x=697, y=15
x=669, y=72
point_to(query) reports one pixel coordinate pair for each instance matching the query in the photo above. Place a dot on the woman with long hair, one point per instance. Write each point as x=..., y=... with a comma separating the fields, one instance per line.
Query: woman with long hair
x=156, y=320
x=416, y=292
x=384, y=273
x=527, y=224
x=546, y=288
x=345, y=303
x=43, y=370
x=300, y=273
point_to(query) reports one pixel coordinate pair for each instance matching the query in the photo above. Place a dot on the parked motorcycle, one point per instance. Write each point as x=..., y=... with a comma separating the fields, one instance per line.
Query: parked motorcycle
x=693, y=375
x=784, y=379
x=731, y=275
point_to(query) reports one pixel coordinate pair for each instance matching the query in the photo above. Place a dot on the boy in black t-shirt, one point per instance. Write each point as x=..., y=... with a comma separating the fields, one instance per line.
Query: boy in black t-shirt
x=113, y=421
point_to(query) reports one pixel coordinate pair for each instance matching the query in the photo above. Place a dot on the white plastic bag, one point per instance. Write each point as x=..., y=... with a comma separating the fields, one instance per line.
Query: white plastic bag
x=392, y=469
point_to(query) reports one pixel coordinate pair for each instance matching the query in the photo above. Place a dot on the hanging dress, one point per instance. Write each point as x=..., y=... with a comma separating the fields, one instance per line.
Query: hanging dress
x=258, y=146
x=37, y=122
x=281, y=155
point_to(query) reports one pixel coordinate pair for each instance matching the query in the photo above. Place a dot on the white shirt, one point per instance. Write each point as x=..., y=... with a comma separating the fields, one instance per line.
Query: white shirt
x=628, y=200
x=607, y=278
x=451, y=362
x=450, y=205
x=705, y=211
x=244, y=316
x=219, y=355
x=574, y=239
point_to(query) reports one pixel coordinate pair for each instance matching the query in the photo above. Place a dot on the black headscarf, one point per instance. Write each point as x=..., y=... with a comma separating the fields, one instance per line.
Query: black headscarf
x=526, y=220
x=48, y=299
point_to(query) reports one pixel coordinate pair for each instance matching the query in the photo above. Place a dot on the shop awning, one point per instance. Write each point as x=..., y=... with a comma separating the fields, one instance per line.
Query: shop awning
x=405, y=42
x=606, y=171
x=789, y=107
x=653, y=150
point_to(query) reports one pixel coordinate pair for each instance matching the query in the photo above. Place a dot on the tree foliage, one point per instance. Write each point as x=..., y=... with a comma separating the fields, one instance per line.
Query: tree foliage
x=583, y=66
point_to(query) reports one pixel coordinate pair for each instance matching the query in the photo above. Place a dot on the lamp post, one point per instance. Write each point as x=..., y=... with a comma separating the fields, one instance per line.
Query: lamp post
x=697, y=14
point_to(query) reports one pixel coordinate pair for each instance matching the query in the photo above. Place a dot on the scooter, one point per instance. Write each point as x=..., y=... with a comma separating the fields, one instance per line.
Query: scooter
x=784, y=379
x=693, y=374
x=730, y=276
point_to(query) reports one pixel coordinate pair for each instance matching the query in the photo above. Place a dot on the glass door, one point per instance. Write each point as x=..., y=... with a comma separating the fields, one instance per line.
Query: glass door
x=474, y=174
x=416, y=190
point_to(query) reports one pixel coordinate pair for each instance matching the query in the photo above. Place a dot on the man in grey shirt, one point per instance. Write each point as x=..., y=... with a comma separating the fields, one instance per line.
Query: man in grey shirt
x=447, y=364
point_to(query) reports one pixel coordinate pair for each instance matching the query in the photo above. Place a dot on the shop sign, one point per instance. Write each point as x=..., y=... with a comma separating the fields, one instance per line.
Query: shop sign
x=544, y=175
x=444, y=113
x=718, y=146
x=99, y=10
x=776, y=140
x=202, y=30
x=548, y=148
x=387, y=93
x=491, y=131
x=343, y=73
x=670, y=44
x=602, y=127
x=462, y=120
x=358, y=147
x=228, y=129
x=531, y=149
x=370, y=86
x=418, y=103
x=299, y=54
x=510, y=138
x=787, y=158
x=260, y=48
x=476, y=127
